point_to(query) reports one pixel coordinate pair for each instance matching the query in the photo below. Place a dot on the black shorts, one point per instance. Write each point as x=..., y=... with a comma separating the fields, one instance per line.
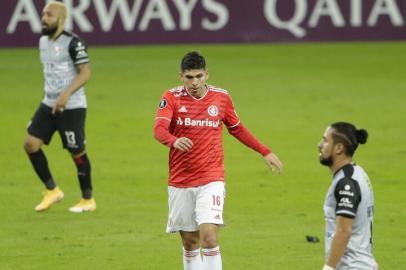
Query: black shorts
x=70, y=125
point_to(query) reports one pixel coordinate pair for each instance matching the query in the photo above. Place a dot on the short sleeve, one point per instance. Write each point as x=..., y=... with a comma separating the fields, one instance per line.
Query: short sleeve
x=348, y=197
x=165, y=107
x=231, y=118
x=78, y=51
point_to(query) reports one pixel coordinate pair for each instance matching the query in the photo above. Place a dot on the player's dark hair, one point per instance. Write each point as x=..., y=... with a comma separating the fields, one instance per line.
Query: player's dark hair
x=193, y=60
x=349, y=136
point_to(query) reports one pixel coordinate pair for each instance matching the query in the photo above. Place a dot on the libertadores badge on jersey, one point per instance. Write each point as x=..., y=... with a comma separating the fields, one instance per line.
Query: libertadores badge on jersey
x=213, y=111
x=163, y=103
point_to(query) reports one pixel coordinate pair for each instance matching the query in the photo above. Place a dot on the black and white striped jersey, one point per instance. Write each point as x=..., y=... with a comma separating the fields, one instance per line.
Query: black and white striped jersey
x=60, y=58
x=351, y=195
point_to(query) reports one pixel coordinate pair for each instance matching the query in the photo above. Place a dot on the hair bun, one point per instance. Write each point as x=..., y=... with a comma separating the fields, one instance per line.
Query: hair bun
x=362, y=136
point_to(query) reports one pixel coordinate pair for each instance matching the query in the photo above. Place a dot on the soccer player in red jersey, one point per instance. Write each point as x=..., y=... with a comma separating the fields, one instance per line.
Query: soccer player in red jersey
x=189, y=121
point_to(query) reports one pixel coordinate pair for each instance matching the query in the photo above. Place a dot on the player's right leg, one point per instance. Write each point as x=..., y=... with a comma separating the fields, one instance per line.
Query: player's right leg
x=182, y=219
x=52, y=194
x=192, y=259
x=40, y=131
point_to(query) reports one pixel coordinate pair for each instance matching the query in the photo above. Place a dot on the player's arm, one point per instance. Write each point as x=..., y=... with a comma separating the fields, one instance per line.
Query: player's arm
x=84, y=74
x=340, y=241
x=79, y=56
x=161, y=127
x=348, y=196
x=162, y=134
x=241, y=133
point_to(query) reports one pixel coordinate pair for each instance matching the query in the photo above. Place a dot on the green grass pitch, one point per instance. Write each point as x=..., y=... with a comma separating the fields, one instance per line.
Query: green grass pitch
x=286, y=94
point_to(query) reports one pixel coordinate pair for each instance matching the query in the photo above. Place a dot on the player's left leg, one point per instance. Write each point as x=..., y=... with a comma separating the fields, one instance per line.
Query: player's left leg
x=210, y=247
x=71, y=128
x=87, y=203
x=209, y=216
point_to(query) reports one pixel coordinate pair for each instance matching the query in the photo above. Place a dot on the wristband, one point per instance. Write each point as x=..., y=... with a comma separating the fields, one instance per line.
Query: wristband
x=328, y=267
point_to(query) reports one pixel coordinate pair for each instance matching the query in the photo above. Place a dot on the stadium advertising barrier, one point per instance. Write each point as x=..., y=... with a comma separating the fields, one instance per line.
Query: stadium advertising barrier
x=194, y=21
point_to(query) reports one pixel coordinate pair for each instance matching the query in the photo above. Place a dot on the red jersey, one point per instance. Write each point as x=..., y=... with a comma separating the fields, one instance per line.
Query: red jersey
x=201, y=120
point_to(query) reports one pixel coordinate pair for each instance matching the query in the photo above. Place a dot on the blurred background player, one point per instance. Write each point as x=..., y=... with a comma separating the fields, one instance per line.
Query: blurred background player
x=189, y=121
x=349, y=204
x=63, y=109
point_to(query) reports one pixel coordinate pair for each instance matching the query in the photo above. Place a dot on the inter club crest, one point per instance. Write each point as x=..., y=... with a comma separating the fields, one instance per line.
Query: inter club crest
x=213, y=111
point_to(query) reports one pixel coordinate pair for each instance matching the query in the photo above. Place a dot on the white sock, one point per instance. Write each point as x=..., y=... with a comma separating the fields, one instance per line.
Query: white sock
x=212, y=259
x=192, y=259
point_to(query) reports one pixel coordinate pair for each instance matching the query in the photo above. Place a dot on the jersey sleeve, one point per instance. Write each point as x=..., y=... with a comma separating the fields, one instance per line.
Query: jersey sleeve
x=165, y=108
x=348, y=197
x=239, y=131
x=163, y=119
x=245, y=136
x=231, y=118
x=78, y=51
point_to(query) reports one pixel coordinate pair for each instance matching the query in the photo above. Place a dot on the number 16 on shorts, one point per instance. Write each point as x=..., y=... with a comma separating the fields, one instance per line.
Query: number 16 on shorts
x=210, y=203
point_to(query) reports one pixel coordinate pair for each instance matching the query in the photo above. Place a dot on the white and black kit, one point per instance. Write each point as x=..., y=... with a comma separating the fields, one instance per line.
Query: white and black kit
x=351, y=195
x=60, y=58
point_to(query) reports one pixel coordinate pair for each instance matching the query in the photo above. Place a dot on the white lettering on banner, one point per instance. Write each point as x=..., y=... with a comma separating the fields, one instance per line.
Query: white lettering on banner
x=292, y=25
x=356, y=13
x=385, y=7
x=77, y=14
x=25, y=12
x=327, y=8
x=157, y=9
x=218, y=9
x=128, y=15
x=185, y=13
x=332, y=9
x=138, y=14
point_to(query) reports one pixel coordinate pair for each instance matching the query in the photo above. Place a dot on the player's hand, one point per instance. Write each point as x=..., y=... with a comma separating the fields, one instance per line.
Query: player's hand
x=273, y=162
x=183, y=144
x=60, y=102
